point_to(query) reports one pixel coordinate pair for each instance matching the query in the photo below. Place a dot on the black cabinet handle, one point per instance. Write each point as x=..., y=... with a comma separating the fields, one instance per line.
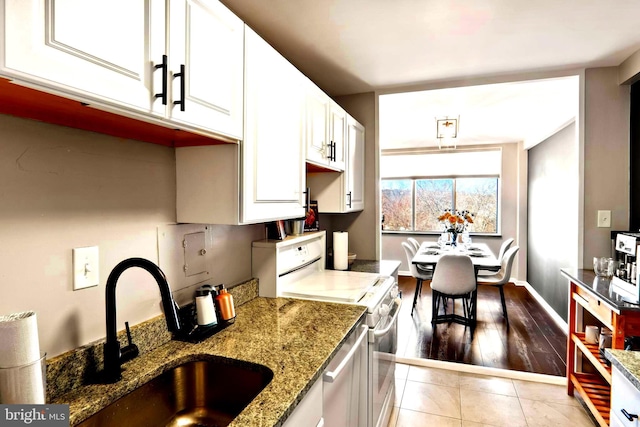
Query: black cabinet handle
x=307, y=199
x=182, y=76
x=164, y=68
x=629, y=416
x=332, y=147
x=349, y=196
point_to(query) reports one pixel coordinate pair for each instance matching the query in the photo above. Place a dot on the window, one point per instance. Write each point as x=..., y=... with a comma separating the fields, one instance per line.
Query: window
x=413, y=203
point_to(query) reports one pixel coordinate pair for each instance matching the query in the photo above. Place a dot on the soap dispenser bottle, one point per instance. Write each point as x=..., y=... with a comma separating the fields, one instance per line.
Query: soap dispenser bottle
x=224, y=303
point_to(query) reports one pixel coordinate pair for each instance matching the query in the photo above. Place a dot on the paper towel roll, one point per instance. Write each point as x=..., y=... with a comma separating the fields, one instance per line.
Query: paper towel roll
x=340, y=250
x=24, y=384
x=21, y=379
x=19, y=337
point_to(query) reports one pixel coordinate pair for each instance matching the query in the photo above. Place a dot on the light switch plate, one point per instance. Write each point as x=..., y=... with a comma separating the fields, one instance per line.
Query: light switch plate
x=85, y=267
x=604, y=219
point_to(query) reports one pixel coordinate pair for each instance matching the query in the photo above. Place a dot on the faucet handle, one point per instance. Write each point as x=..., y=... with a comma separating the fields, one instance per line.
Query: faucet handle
x=126, y=325
x=129, y=351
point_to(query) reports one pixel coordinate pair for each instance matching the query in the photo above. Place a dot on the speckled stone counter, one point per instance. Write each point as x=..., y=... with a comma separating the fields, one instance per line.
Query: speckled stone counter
x=384, y=267
x=628, y=363
x=294, y=338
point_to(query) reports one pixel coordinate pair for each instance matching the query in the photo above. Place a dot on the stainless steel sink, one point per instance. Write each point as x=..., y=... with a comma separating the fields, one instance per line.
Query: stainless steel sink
x=201, y=393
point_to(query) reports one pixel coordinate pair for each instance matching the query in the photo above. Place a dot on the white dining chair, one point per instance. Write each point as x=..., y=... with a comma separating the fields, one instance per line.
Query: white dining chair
x=454, y=278
x=425, y=269
x=502, y=277
x=414, y=242
x=503, y=249
x=419, y=275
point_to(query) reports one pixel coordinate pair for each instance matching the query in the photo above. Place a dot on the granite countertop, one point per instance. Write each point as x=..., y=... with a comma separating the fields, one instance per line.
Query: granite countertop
x=628, y=363
x=384, y=267
x=600, y=287
x=294, y=338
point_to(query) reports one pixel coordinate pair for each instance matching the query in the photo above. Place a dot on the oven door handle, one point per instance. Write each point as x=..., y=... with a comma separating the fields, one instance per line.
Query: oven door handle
x=385, y=331
x=331, y=376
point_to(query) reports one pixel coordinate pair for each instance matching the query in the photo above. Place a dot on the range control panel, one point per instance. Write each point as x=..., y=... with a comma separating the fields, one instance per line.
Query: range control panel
x=297, y=255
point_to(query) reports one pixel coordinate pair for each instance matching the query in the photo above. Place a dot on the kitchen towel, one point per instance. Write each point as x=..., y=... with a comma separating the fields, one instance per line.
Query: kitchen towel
x=340, y=250
x=21, y=377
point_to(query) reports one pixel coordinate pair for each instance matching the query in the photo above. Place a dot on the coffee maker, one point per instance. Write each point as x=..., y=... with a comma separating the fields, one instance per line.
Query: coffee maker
x=626, y=280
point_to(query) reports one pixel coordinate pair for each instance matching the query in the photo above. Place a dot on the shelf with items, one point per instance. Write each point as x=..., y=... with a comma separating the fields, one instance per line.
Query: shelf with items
x=592, y=353
x=588, y=372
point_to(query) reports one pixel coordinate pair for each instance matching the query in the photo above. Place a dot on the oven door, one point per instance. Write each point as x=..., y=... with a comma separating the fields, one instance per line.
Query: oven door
x=383, y=343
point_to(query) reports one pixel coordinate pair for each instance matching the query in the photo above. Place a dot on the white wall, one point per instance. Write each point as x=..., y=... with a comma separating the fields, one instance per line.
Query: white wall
x=606, y=158
x=62, y=188
x=553, y=182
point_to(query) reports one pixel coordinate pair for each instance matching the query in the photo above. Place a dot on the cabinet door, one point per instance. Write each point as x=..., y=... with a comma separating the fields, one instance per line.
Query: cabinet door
x=92, y=49
x=272, y=151
x=206, y=40
x=355, y=166
x=308, y=413
x=624, y=396
x=337, y=129
x=316, y=125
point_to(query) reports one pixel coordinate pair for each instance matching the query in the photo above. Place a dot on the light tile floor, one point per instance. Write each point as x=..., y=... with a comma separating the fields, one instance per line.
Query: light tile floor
x=438, y=397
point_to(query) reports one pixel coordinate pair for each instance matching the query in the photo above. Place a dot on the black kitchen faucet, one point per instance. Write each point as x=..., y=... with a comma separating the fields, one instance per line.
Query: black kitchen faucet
x=113, y=356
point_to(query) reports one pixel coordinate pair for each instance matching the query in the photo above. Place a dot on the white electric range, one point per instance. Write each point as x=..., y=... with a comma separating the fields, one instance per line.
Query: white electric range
x=295, y=268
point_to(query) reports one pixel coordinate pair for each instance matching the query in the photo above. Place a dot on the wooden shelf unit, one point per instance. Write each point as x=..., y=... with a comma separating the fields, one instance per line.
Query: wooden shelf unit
x=594, y=387
x=596, y=393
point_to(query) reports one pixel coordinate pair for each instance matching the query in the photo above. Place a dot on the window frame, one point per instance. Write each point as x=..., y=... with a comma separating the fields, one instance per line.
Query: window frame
x=413, y=179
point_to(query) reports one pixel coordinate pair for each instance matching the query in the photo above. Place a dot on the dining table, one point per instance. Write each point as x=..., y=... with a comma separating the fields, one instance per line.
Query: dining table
x=481, y=256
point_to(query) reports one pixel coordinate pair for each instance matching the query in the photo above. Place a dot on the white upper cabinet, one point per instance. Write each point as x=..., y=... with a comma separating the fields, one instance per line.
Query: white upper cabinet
x=341, y=192
x=206, y=61
x=263, y=178
x=337, y=128
x=273, y=152
x=324, y=129
x=82, y=47
x=355, y=168
x=317, y=125
x=110, y=55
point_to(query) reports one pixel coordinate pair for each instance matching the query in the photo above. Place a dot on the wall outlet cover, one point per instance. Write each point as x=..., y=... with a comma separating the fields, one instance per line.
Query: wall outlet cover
x=604, y=219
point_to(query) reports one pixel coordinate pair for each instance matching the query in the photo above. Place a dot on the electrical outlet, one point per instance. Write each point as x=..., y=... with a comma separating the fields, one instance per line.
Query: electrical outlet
x=604, y=219
x=85, y=267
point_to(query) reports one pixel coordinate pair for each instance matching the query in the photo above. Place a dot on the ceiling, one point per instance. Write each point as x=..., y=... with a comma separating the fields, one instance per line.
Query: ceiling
x=527, y=111
x=355, y=46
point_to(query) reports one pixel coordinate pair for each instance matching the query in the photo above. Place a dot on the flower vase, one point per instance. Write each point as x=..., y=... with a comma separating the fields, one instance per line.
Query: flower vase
x=454, y=239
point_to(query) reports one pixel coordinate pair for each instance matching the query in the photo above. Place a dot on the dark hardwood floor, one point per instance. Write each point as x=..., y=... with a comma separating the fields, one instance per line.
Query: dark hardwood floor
x=532, y=343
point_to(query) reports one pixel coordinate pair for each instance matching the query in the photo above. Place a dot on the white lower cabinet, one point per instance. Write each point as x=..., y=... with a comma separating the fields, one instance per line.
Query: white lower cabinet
x=308, y=413
x=339, y=398
x=344, y=392
x=625, y=401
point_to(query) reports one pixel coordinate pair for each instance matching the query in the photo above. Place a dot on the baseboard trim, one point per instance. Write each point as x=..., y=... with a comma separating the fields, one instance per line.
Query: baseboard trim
x=484, y=370
x=555, y=316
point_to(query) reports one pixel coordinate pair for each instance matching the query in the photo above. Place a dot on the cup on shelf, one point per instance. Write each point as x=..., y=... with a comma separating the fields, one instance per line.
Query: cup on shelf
x=604, y=340
x=591, y=333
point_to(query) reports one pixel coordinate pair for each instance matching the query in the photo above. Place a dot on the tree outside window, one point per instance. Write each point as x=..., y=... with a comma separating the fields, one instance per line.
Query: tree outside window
x=415, y=204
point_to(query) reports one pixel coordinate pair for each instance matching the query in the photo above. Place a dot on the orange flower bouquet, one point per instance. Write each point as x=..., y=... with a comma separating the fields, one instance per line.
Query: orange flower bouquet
x=455, y=222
